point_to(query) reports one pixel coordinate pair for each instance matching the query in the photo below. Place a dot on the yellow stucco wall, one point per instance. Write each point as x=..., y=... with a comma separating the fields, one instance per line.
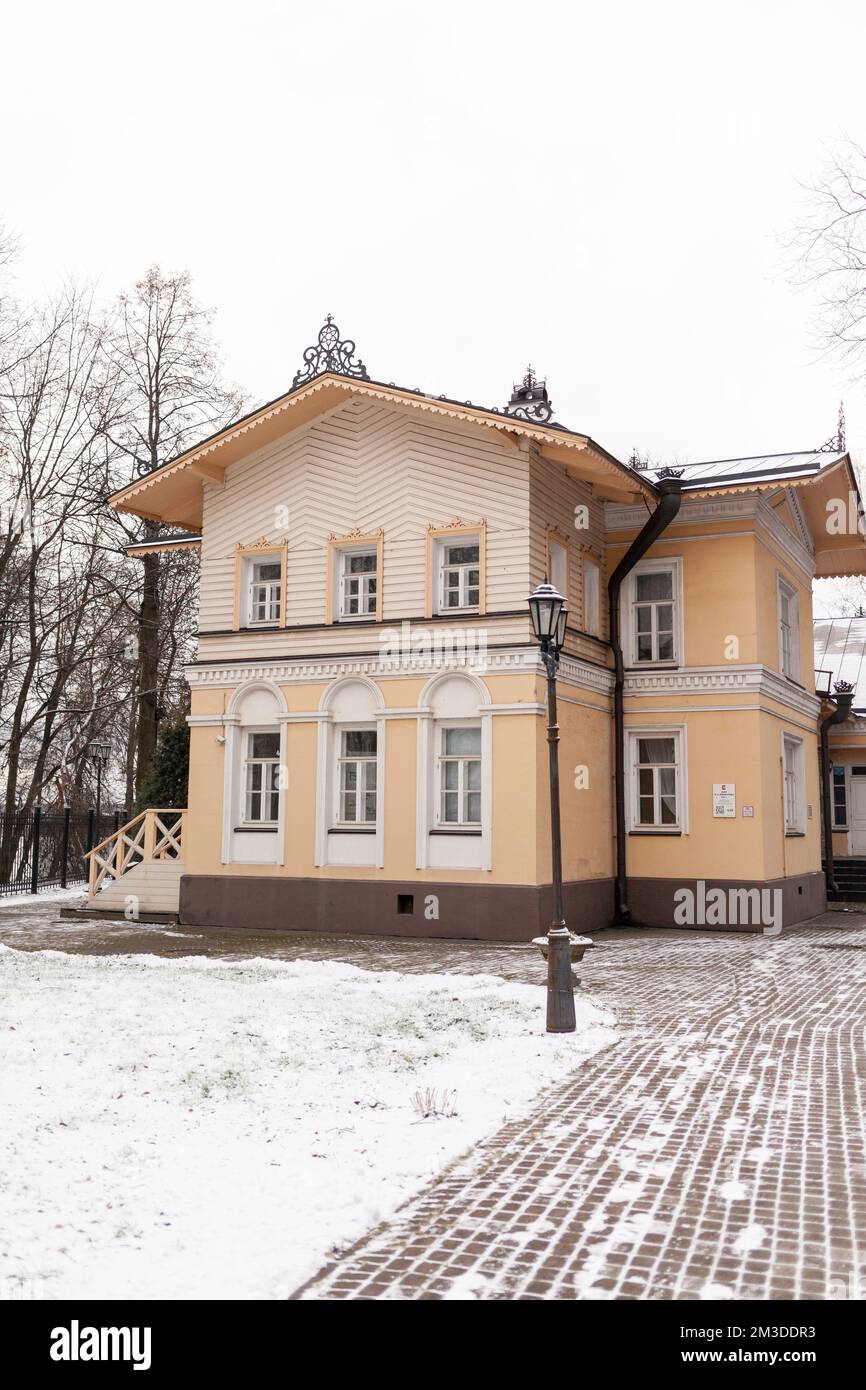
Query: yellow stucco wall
x=516, y=780
x=729, y=571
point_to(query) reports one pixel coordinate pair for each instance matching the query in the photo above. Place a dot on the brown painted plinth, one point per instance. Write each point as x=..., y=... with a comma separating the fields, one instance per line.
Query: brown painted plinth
x=352, y=907
x=653, y=903
x=467, y=911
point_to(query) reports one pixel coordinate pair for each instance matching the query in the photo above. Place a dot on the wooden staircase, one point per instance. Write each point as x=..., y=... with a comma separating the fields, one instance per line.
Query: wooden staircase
x=136, y=872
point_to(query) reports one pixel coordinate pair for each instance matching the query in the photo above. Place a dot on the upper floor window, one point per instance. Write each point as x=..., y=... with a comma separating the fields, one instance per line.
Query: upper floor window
x=789, y=629
x=455, y=569
x=354, y=590
x=591, y=617
x=795, y=801
x=557, y=563
x=260, y=585
x=265, y=593
x=459, y=575
x=357, y=777
x=460, y=776
x=656, y=607
x=261, y=777
x=359, y=583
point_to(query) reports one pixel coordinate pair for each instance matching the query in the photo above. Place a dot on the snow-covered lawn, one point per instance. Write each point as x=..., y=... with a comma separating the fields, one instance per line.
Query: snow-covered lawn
x=209, y=1129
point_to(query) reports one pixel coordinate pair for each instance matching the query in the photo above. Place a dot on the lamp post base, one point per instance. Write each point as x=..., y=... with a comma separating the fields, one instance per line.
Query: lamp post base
x=560, y=983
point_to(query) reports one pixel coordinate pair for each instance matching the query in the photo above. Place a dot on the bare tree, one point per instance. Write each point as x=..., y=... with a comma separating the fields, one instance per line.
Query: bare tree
x=829, y=252
x=164, y=356
x=53, y=472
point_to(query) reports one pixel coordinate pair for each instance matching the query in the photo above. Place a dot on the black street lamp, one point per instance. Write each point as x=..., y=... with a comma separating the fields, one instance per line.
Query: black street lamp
x=549, y=614
x=99, y=753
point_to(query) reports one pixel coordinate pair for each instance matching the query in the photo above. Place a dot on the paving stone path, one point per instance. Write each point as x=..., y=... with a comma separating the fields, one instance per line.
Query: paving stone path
x=717, y=1151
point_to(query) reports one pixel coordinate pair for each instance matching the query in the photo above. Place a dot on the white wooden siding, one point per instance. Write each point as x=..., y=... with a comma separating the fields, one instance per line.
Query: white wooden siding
x=363, y=466
x=553, y=498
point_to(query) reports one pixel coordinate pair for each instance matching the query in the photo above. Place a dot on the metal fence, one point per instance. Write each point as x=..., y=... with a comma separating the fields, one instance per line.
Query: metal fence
x=46, y=849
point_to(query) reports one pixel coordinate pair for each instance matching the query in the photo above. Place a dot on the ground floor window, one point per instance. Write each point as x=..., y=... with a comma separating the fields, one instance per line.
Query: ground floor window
x=460, y=776
x=261, y=778
x=795, y=819
x=656, y=765
x=357, y=777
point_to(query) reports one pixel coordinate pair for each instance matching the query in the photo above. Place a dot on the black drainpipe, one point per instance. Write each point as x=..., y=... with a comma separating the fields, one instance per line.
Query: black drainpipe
x=669, y=504
x=838, y=715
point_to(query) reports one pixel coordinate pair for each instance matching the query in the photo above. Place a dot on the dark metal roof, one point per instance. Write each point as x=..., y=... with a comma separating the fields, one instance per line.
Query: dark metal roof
x=760, y=468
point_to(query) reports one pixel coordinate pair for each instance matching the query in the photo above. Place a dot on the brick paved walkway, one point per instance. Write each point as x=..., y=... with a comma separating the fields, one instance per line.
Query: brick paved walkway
x=718, y=1151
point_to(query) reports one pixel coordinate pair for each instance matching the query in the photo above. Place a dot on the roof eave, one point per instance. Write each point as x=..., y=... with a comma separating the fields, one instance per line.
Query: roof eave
x=215, y=453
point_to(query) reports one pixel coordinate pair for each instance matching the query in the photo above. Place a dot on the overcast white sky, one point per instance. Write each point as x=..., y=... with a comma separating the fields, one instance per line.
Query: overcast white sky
x=598, y=188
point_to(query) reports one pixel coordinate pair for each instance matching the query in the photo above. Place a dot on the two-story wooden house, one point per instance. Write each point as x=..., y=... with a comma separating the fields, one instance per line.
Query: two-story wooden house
x=368, y=725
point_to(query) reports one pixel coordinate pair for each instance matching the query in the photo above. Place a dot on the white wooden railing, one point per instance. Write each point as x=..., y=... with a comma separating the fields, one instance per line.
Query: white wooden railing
x=152, y=834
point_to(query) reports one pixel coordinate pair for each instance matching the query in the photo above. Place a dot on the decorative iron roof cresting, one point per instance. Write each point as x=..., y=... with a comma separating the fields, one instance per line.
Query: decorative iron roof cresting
x=330, y=354
x=530, y=401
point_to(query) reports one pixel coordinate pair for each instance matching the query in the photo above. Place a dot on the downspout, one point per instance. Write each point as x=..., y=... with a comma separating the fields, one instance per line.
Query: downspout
x=838, y=715
x=670, y=496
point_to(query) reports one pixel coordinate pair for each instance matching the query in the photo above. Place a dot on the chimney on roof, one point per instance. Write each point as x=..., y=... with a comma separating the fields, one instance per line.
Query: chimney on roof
x=529, y=400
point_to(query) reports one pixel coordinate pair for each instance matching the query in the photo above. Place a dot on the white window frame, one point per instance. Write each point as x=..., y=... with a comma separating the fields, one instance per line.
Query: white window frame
x=350, y=703
x=255, y=706
x=673, y=564
x=273, y=587
x=452, y=699
x=362, y=761
x=462, y=826
x=839, y=767
x=342, y=576
x=678, y=733
x=443, y=545
x=788, y=601
x=591, y=611
x=247, y=761
x=794, y=785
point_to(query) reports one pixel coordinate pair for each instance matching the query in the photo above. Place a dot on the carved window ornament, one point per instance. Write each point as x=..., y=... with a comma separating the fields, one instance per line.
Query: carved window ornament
x=356, y=534
x=262, y=544
x=457, y=524
x=330, y=353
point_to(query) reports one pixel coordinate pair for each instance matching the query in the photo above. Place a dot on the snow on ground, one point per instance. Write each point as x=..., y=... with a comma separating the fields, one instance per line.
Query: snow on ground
x=45, y=895
x=201, y=1128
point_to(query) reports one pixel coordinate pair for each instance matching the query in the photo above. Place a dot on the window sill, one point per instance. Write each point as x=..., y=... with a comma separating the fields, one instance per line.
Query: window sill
x=457, y=613
x=352, y=830
x=457, y=831
x=653, y=666
x=648, y=831
x=795, y=834
x=255, y=830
